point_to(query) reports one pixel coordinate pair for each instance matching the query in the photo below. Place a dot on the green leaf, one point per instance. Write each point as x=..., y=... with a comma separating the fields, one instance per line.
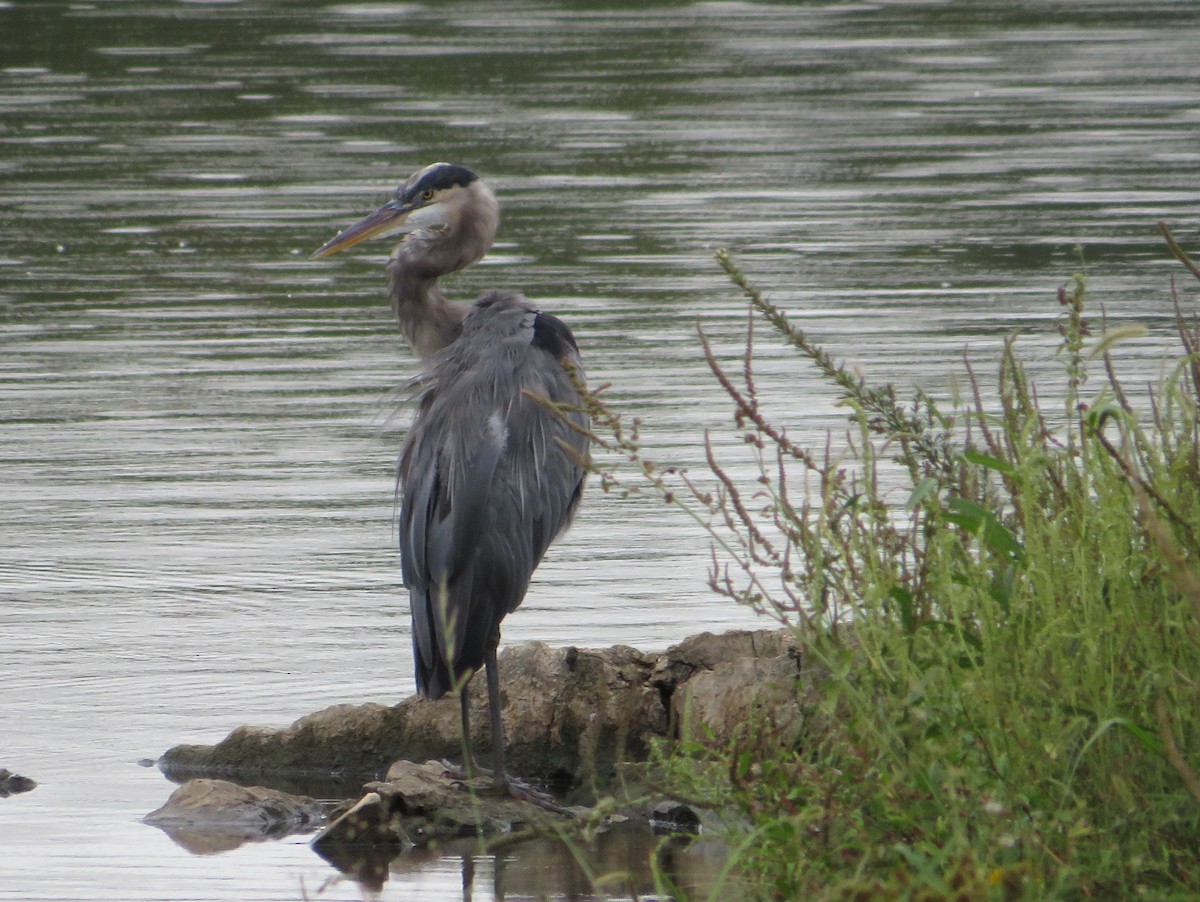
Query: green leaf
x=923, y=490
x=981, y=522
x=1097, y=414
x=1002, y=586
x=904, y=600
x=987, y=461
x=1148, y=740
x=970, y=638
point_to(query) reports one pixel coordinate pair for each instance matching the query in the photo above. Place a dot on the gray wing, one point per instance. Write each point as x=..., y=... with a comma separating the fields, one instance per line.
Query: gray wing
x=486, y=484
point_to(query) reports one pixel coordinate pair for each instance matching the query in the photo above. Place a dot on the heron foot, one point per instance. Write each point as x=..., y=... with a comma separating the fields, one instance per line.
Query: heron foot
x=523, y=792
x=509, y=786
x=468, y=770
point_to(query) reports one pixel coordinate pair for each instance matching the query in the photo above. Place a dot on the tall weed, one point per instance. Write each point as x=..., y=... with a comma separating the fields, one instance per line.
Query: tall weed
x=1003, y=674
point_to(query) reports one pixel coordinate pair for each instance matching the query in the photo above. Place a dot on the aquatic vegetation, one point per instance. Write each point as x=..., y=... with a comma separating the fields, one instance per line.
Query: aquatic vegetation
x=997, y=602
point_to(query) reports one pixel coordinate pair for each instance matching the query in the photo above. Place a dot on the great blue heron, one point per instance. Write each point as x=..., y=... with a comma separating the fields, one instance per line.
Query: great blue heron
x=489, y=475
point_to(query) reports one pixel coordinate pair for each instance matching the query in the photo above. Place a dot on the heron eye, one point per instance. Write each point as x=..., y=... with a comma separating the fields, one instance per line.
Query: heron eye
x=428, y=194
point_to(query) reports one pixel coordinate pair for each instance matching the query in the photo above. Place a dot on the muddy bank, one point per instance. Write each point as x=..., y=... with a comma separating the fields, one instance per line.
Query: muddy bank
x=571, y=714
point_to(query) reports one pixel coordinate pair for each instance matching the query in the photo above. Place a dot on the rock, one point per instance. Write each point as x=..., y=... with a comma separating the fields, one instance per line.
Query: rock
x=369, y=821
x=11, y=784
x=435, y=803
x=418, y=805
x=705, y=651
x=418, y=788
x=570, y=714
x=347, y=741
x=669, y=816
x=214, y=815
x=712, y=683
x=746, y=693
x=362, y=841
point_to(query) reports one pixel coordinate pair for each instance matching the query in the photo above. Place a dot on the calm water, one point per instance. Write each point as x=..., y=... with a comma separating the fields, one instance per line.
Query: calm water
x=196, y=437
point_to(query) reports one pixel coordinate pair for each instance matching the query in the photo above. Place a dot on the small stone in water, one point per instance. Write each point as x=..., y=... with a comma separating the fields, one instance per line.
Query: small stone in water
x=11, y=784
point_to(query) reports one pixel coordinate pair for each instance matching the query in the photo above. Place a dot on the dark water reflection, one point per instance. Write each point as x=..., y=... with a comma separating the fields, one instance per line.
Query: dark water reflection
x=619, y=864
x=195, y=428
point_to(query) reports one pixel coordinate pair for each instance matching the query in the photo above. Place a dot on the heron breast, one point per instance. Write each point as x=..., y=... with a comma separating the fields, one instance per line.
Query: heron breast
x=496, y=430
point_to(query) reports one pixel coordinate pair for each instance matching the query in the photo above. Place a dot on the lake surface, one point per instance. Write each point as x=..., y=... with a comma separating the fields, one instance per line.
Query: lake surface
x=197, y=429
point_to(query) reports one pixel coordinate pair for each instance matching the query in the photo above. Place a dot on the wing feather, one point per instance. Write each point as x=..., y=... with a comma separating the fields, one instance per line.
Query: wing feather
x=486, y=485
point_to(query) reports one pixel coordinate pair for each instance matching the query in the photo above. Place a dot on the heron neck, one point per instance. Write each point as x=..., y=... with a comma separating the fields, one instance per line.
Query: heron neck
x=427, y=319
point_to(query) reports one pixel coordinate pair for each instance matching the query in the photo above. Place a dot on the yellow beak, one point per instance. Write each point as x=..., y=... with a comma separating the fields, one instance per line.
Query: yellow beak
x=387, y=217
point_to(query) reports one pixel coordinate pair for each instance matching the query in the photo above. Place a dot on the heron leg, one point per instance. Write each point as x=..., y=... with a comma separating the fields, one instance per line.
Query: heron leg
x=501, y=782
x=499, y=774
x=470, y=767
x=464, y=714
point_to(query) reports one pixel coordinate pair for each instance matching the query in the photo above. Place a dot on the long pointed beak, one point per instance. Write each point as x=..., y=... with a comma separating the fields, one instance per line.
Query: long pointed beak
x=387, y=217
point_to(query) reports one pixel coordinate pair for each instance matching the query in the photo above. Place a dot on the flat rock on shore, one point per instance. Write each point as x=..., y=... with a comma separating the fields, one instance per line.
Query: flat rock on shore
x=571, y=714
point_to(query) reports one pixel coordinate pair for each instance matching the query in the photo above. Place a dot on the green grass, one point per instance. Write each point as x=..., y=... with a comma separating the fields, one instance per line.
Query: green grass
x=1003, y=697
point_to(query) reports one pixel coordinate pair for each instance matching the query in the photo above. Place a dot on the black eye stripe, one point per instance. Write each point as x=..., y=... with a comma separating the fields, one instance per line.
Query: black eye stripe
x=439, y=178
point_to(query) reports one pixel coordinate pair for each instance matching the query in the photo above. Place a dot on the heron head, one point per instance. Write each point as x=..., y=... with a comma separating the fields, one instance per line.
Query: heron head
x=431, y=198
